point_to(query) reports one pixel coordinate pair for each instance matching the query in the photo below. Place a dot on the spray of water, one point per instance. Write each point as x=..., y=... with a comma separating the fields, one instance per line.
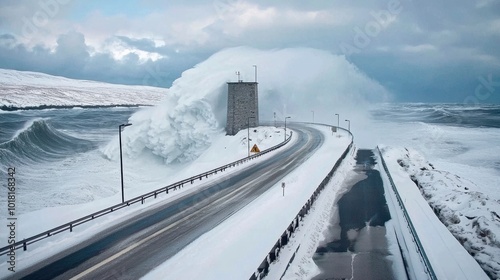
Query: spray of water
x=292, y=82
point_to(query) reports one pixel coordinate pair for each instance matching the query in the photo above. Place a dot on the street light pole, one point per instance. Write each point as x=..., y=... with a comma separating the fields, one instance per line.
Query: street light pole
x=338, y=120
x=121, y=157
x=248, y=136
x=255, y=66
x=349, y=125
x=285, y=125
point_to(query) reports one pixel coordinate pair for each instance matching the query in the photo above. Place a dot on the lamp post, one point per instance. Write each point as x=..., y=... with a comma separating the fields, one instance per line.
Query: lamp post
x=248, y=136
x=285, y=125
x=338, y=119
x=255, y=66
x=121, y=157
x=313, y=115
x=348, y=125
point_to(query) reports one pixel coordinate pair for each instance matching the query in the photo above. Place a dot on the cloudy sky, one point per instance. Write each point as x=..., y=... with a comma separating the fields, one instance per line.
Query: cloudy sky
x=421, y=51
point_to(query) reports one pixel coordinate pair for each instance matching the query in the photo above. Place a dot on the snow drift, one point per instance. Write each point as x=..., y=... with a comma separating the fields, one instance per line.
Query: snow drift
x=292, y=82
x=471, y=216
x=21, y=89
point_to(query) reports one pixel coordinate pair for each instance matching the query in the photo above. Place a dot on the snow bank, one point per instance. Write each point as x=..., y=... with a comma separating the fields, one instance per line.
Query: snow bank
x=470, y=216
x=30, y=89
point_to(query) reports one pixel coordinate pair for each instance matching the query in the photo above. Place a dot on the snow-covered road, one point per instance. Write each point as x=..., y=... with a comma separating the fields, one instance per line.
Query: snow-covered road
x=358, y=243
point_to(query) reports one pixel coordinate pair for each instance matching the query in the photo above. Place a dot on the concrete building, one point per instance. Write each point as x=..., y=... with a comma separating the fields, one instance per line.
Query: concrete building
x=242, y=106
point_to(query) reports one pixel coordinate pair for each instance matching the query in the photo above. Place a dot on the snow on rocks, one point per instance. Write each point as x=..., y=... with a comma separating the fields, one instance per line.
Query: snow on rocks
x=471, y=216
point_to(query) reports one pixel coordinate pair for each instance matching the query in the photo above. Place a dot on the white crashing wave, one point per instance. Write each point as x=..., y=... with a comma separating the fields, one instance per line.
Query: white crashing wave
x=292, y=82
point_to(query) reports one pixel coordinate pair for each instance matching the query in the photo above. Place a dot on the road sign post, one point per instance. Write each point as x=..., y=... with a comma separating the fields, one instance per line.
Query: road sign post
x=283, y=186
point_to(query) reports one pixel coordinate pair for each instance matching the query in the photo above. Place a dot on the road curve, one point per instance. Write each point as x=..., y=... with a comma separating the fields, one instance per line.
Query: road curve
x=136, y=246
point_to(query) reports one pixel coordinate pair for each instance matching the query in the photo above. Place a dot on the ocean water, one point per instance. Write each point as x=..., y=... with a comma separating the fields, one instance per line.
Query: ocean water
x=62, y=156
x=461, y=139
x=57, y=156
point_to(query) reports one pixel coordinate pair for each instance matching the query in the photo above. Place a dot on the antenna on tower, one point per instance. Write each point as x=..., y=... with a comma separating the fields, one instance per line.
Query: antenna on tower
x=238, y=74
x=255, y=66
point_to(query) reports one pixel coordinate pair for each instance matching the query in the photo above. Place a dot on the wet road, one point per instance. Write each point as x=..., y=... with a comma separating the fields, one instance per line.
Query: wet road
x=356, y=246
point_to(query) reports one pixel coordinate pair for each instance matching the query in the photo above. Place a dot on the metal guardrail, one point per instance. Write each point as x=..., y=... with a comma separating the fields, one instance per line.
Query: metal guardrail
x=420, y=248
x=263, y=268
x=172, y=187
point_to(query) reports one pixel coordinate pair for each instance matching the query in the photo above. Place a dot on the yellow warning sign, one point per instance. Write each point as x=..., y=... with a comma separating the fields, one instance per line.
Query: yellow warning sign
x=255, y=149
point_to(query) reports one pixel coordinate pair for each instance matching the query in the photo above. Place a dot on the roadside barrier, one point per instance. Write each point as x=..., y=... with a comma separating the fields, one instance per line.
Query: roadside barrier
x=142, y=198
x=420, y=249
x=273, y=254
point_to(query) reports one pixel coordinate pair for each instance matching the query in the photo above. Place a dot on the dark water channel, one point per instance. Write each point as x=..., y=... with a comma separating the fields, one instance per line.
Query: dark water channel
x=356, y=246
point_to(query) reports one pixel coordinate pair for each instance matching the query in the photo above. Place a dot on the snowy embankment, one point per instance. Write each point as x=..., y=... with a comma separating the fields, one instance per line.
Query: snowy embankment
x=470, y=216
x=19, y=89
x=224, y=149
x=235, y=248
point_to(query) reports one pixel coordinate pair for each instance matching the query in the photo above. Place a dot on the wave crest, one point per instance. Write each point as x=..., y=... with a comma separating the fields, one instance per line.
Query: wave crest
x=39, y=141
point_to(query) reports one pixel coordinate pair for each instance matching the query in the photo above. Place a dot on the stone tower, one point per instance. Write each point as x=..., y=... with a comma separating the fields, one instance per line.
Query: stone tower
x=242, y=106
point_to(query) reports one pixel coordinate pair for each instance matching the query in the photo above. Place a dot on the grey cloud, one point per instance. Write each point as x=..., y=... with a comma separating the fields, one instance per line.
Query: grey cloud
x=461, y=45
x=143, y=44
x=72, y=59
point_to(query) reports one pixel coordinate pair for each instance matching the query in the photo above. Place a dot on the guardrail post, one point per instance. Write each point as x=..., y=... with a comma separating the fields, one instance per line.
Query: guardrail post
x=25, y=246
x=70, y=227
x=142, y=199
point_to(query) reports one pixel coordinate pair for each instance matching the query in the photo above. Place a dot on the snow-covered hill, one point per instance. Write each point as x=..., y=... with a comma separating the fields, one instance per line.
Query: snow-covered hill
x=21, y=89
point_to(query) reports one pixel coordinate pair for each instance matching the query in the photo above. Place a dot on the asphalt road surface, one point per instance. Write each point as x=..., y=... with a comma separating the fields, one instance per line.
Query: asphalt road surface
x=357, y=246
x=136, y=246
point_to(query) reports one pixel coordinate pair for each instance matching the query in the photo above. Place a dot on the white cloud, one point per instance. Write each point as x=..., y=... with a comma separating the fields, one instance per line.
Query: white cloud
x=419, y=48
